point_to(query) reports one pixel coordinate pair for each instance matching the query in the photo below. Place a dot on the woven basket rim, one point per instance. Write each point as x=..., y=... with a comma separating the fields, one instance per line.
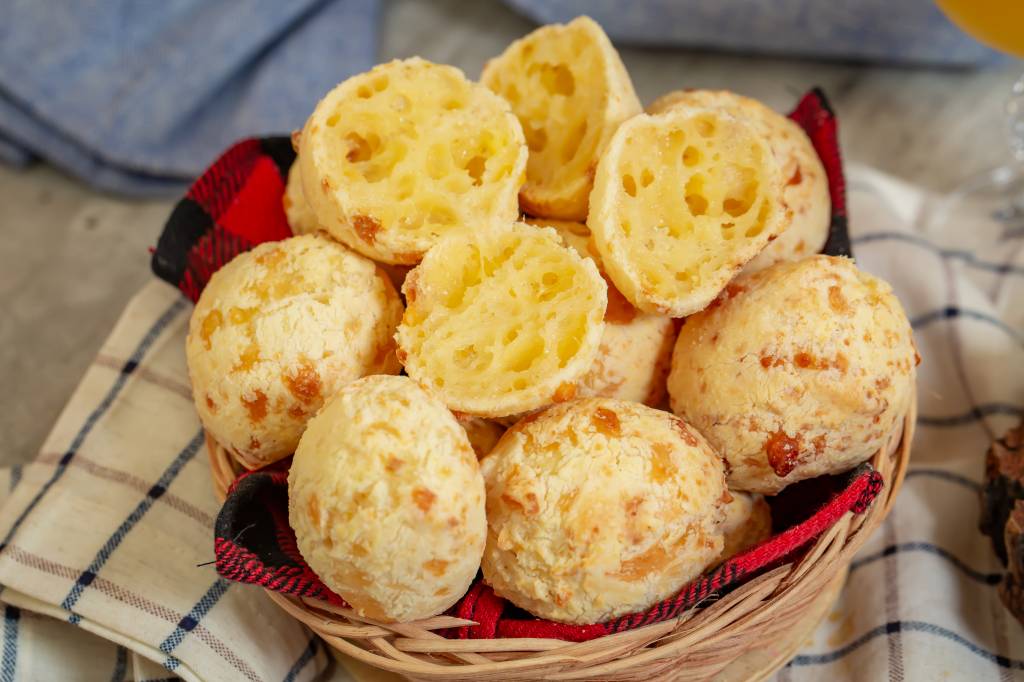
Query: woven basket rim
x=695, y=646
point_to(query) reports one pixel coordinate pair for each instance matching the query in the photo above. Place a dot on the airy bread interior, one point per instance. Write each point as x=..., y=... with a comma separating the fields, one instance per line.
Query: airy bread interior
x=682, y=200
x=395, y=157
x=498, y=321
x=805, y=189
x=569, y=89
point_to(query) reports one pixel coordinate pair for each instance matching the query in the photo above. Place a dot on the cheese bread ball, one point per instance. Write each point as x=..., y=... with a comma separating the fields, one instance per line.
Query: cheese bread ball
x=501, y=321
x=600, y=507
x=805, y=188
x=570, y=90
x=302, y=220
x=396, y=157
x=748, y=521
x=297, y=210
x=798, y=370
x=387, y=501
x=279, y=329
x=483, y=434
x=633, y=359
x=681, y=202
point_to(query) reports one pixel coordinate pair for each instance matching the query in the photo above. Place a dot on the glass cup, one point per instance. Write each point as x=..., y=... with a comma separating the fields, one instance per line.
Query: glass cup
x=997, y=193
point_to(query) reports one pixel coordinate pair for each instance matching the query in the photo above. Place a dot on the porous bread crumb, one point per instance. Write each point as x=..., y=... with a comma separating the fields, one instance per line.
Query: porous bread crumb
x=570, y=91
x=396, y=157
x=499, y=321
x=633, y=359
x=681, y=202
x=805, y=183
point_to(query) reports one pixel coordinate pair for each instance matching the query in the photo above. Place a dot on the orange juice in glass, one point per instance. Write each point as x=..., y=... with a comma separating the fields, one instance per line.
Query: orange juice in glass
x=999, y=193
x=996, y=23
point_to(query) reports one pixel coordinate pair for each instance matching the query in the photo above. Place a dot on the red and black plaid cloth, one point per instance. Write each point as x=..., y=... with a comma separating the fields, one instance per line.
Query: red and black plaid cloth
x=254, y=544
x=232, y=207
x=236, y=204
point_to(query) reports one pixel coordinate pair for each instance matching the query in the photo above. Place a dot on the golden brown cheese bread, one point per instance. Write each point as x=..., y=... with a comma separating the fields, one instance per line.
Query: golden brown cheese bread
x=798, y=370
x=633, y=359
x=501, y=321
x=301, y=217
x=279, y=329
x=396, y=157
x=681, y=202
x=805, y=188
x=748, y=521
x=387, y=501
x=600, y=507
x=302, y=220
x=570, y=90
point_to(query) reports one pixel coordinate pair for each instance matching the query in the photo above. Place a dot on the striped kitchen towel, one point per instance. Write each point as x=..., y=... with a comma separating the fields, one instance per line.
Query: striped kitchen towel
x=110, y=528
x=921, y=602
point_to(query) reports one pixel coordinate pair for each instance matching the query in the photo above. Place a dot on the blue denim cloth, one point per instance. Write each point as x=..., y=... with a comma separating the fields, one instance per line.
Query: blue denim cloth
x=901, y=31
x=139, y=96
x=891, y=31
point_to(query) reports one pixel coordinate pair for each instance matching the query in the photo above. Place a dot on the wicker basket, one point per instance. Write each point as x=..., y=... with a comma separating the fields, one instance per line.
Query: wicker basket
x=748, y=634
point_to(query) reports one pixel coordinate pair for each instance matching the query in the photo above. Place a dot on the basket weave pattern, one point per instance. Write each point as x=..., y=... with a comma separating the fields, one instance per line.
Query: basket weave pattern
x=698, y=645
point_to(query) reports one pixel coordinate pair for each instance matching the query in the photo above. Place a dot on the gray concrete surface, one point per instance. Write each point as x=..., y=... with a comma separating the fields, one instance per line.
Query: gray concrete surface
x=70, y=258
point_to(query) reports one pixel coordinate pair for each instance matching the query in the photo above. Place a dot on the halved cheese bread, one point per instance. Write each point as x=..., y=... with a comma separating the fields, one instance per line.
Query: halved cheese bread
x=633, y=360
x=805, y=188
x=501, y=321
x=302, y=220
x=396, y=157
x=570, y=90
x=681, y=202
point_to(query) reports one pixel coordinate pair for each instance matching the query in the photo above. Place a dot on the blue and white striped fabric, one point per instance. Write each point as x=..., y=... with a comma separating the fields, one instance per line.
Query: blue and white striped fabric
x=108, y=530
x=921, y=603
